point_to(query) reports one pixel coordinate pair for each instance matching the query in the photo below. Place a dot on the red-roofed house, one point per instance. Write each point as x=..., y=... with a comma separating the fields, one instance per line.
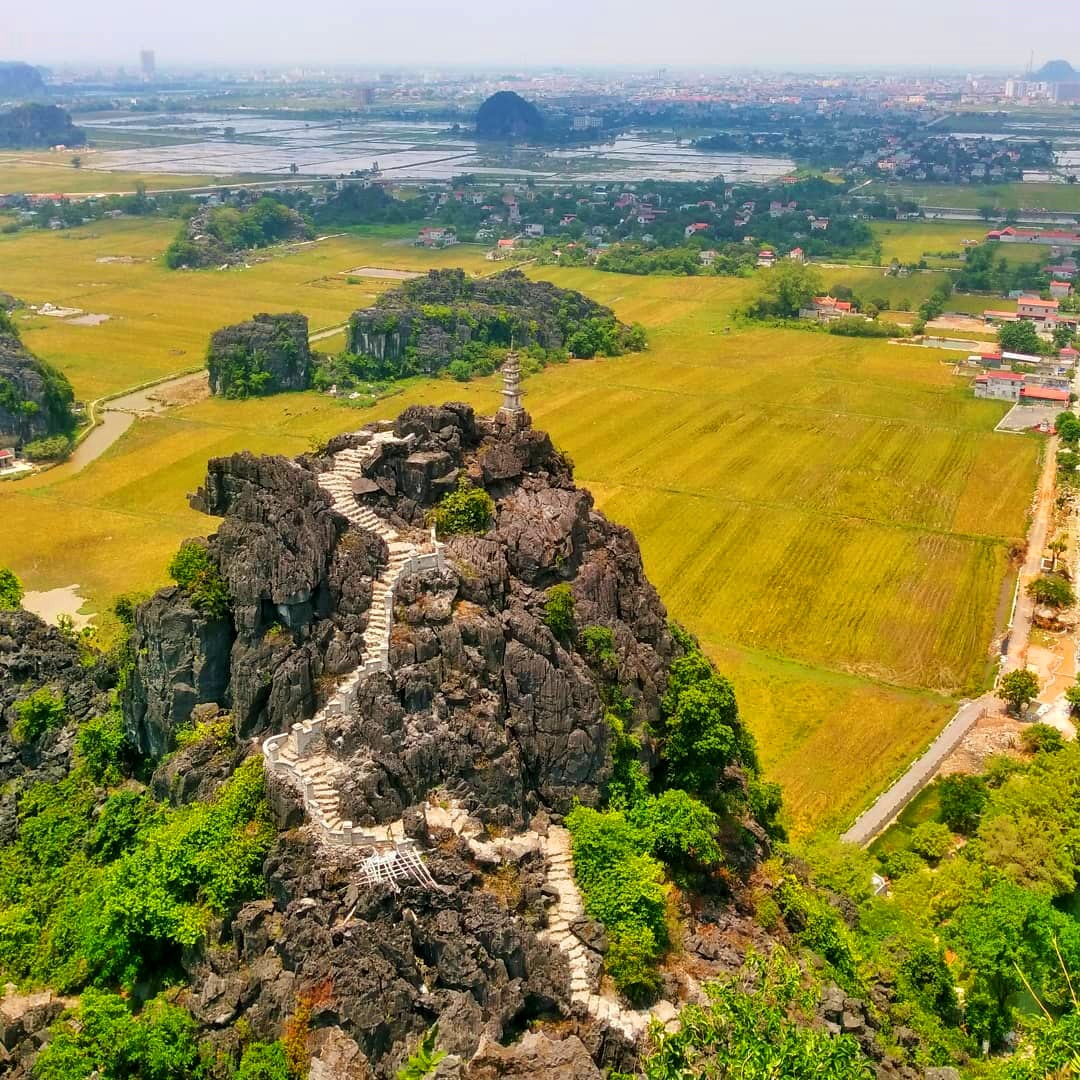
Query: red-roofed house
x=1043, y=395
x=1054, y=237
x=827, y=308
x=7, y=459
x=797, y=255
x=698, y=226
x=1060, y=289
x=1032, y=307
x=1001, y=385
x=1069, y=355
x=766, y=257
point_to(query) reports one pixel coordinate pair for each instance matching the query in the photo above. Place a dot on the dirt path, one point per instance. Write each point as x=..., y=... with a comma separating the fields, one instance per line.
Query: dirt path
x=1020, y=634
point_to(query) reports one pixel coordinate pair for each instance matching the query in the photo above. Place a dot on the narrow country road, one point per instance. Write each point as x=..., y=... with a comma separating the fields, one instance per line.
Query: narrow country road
x=876, y=818
x=1036, y=544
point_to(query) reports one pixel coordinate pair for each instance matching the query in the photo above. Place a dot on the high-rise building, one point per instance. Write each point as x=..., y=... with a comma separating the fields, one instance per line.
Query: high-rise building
x=146, y=59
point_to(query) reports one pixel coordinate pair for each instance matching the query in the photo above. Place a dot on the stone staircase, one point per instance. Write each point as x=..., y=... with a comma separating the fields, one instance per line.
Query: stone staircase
x=300, y=755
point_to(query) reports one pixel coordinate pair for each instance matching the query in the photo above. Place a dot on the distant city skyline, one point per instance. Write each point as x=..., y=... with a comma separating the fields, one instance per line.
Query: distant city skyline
x=826, y=35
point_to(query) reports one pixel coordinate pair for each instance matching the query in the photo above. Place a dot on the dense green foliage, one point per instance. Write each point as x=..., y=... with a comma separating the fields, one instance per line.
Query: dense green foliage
x=997, y=905
x=106, y=1040
x=559, y=611
x=1020, y=337
x=449, y=321
x=986, y=270
x=98, y=893
x=11, y=590
x=102, y=1038
x=193, y=569
x=51, y=448
x=625, y=855
x=623, y=887
x=785, y=289
x=36, y=126
x=1052, y=591
x=217, y=232
x=356, y=204
x=742, y=1034
x=467, y=509
x=38, y=712
x=1018, y=688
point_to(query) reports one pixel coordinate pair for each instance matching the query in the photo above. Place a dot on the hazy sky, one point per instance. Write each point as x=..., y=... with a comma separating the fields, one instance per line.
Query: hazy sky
x=817, y=34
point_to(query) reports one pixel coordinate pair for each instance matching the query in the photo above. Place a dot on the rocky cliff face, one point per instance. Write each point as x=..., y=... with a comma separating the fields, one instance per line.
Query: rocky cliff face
x=35, y=399
x=437, y=316
x=265, y=355
x=34, y=655
x=480, y=693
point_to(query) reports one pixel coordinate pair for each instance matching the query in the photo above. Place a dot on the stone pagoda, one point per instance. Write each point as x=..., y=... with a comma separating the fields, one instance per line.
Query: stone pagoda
x=511, y=372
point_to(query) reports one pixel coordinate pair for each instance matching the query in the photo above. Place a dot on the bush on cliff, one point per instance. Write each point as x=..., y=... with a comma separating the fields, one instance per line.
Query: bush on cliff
x=11, y=590
x=559, y=611
x=96, y=893
x=197, y=574
x=37, y=713
x=468, y=509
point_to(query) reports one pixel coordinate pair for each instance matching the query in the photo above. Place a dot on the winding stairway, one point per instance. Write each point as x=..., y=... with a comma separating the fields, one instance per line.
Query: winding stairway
x=301, y=756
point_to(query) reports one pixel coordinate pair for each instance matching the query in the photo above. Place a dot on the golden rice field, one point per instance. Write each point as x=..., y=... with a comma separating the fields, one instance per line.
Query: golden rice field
x=160, y=319
x=830, y=516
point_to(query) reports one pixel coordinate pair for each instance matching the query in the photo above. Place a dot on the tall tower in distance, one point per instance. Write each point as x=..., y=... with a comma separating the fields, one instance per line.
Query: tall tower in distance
x=148, y=64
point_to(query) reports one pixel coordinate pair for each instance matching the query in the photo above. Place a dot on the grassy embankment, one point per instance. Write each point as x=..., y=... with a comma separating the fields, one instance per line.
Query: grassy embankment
x=830, y=516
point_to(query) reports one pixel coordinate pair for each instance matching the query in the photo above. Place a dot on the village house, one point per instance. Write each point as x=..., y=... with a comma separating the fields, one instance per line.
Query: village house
x=1059, y=290
x=1053, y=237
x=827, y=308
x=707, y=257
x=766, y=257
x=503, y=249
x=819, y=223
x=1043, y=395
x=436, y=236
x=797, y=255
x=779, y=209
x=7, y=460
x=534, y=231
x=1037, y=309
x=1000, y=385
x=696, y=227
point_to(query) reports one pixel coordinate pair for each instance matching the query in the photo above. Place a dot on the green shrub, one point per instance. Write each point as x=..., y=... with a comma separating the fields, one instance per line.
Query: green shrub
x=99, y=744
x=599, y=645
x=53, y=448
x=898, y=863
x=623, y=889
x=264, y=1061
x=195, y=572
x=962, y=799
x=467, y=510
x=681, y=830
x=932, y=840
x=1042, y=739
x=629, y=782
x=422, y=1061
x=559, y=611
x=11, y=591
x=107, y=1041
x=750, y=1028
x=37, y=713
x=112, y=898
x=1054, y=592
x=701, y=722
x=219, y=729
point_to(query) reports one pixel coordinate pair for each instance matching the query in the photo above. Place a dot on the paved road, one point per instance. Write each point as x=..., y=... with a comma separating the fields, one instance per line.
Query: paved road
x=875, y=819
x=921, y=771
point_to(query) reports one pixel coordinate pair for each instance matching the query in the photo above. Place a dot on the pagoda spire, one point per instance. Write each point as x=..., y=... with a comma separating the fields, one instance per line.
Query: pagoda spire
x=511, y=373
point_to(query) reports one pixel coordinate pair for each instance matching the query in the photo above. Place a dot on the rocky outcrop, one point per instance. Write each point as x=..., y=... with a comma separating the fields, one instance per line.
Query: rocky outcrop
x=265, y=355
x=33, y=126
x=435, y=319
x=35, y=399
x=506, y=115
x=35, y=655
